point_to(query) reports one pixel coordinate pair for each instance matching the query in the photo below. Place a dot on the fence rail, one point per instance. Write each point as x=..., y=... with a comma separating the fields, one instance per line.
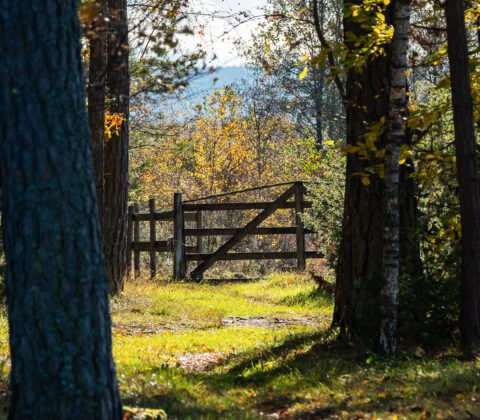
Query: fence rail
x=276, y=255
x=193, y=211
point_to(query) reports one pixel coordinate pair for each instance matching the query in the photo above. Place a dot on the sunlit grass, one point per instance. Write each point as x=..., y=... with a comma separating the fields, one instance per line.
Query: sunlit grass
x=265, y=371
x=291, y=372
x=308, y=375
x=153, y=350
x=203, y=305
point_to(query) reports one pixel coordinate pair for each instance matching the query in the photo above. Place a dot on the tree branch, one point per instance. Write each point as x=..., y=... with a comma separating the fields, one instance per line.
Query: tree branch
x=323, y=41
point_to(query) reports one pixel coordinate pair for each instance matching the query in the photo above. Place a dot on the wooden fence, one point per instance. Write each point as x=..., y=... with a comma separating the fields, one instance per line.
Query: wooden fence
x=192, y=210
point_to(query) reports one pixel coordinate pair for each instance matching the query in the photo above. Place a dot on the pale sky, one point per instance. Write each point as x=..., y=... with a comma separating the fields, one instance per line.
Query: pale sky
x=219, y=19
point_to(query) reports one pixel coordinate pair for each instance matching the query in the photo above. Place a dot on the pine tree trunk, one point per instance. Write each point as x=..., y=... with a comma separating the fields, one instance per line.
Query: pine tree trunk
x=467, y=176
x=96, y=98
x=57, y=294
x=116, y=149
x=387, y=338
x=360, y=268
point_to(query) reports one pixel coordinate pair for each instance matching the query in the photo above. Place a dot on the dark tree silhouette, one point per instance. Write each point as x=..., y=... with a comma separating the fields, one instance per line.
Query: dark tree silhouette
x=96, y=96
x=116, y=150
x=466, y=174
x=57, y=294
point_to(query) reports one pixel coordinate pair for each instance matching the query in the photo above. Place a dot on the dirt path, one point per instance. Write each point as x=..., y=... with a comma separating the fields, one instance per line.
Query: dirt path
x=229, y=321
x=263, y=321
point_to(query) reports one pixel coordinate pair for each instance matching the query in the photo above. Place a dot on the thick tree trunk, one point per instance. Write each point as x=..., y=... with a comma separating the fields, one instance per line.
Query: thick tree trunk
x=116, y=149
x=387, y=338
x=466, y=174
x=360, y=269
x=359, y=266
x=57, y=294
x=96, y=97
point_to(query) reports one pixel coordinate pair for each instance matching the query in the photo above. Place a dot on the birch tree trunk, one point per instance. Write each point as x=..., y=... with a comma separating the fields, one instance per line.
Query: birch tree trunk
x=360, y=262
x=467, y=176
x=397, y=105
x=57, y=294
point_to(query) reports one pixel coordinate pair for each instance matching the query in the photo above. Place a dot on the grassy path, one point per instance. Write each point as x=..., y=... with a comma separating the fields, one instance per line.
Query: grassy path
x=262, y=350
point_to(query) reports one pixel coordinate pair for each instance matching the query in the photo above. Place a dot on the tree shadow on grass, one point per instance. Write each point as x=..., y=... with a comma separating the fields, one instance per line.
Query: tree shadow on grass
x=247, y=371
x=313, y=376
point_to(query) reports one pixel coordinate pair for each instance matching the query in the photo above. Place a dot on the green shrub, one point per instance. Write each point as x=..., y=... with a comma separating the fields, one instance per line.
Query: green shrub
x=327, y=194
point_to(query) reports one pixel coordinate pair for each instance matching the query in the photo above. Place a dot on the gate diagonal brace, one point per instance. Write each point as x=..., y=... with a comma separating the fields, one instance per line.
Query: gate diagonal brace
x=197, y=274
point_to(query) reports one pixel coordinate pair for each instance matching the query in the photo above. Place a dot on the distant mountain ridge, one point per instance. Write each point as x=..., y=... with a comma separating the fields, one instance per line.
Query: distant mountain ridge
x=206, y=82
x=183, y=102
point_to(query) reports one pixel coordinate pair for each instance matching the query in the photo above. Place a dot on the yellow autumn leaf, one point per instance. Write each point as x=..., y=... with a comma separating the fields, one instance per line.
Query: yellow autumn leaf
x=303, y=73
x=365, y=180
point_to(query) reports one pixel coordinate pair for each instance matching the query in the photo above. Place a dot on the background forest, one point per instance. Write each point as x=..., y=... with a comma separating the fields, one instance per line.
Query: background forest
x=287, y=122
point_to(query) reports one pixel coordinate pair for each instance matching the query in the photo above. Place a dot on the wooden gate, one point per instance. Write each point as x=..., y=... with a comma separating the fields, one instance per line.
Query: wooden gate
x=193, y=210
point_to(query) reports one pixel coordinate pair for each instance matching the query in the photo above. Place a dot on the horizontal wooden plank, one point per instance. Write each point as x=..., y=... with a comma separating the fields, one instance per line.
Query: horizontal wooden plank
x=233, y=231
x=160, y=246
x=190, y=217
x=165, y=216
x=261, y=187
x=144, y=217
x=240, y=206
x=254, y=256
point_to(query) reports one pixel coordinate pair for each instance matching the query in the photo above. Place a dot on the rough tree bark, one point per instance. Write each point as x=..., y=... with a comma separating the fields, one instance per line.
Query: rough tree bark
x=96, y=97
x=467, y=176
x=57, y=294
x=387, y=334
x=359, y=269
x=116, y=149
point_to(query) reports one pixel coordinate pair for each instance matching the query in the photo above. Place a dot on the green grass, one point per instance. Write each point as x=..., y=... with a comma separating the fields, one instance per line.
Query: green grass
x=288, y=372
x=164, y=332
x=171, y=304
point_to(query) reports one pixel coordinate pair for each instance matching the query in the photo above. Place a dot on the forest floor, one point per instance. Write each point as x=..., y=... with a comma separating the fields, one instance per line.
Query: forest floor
x=263, y=350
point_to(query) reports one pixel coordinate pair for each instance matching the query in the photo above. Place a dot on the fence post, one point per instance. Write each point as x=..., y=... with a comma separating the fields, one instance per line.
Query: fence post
x=129, y=240
x=153, y=238
x=179, y=265
x=136, y=239
x=300, y=231
x=199, y=218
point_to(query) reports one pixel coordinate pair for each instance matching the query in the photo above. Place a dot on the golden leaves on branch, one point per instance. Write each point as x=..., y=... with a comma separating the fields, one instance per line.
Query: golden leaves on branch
x=113, y=123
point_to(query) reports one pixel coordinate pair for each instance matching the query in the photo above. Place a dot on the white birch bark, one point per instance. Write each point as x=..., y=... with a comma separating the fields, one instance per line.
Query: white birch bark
x=387, y=339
